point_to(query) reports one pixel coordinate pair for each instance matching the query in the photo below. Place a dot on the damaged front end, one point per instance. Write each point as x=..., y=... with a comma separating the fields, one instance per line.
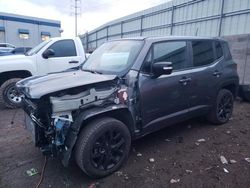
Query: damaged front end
x=54, y=119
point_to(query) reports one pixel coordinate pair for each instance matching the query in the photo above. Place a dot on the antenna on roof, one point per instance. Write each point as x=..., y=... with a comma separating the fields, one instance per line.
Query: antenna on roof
x=197, y=30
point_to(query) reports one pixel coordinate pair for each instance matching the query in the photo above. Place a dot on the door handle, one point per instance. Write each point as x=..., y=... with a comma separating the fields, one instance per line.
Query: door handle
x=217, y=73
x=185, y=80
x=73, y=61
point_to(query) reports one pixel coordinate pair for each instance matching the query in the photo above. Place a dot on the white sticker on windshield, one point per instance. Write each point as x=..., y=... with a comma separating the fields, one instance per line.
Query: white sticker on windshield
x=114, y=59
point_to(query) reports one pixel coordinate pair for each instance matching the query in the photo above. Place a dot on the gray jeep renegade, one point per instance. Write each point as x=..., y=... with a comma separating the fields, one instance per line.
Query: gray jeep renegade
x=126, y=89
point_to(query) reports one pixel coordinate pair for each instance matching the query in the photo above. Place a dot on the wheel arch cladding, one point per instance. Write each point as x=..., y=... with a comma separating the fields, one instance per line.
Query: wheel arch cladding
x=4, y=76
x=232, y=87
x=83, y=118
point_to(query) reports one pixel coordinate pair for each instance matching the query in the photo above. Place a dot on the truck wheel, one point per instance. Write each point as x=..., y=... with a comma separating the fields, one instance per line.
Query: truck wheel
x=222, y=109
x=102, y=147
x=246, y=97
x=9, y=96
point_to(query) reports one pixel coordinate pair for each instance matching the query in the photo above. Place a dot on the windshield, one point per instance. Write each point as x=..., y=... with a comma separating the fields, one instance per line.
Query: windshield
x=113, y=57
x=37, y=48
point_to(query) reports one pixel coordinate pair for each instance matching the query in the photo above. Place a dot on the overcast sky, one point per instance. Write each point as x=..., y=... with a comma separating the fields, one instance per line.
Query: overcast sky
x=93, y=12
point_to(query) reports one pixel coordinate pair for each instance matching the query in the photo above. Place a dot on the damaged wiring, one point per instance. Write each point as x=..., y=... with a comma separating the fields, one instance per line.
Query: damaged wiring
x=42, y=173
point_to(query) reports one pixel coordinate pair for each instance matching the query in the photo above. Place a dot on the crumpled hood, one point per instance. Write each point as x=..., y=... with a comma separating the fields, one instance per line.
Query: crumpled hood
x=36, y=87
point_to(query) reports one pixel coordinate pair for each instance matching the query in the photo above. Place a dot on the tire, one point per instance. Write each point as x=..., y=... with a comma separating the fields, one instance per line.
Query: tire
x=222, y=109
x=102, y=147
x=5, y=94
x=246, y=97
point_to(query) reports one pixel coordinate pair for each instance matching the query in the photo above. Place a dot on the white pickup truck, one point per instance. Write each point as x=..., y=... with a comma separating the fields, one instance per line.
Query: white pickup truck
x=54, y=55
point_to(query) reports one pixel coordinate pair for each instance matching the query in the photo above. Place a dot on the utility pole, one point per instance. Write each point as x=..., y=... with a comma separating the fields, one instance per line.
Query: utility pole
x=77, y=11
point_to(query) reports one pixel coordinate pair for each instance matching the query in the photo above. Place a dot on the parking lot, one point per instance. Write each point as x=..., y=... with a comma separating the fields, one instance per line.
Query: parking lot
x=185, y=155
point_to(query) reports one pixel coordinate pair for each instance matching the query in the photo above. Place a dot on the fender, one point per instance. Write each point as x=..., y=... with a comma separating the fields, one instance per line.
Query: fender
x=18, y=62
x=233, y=81
x=79, y=123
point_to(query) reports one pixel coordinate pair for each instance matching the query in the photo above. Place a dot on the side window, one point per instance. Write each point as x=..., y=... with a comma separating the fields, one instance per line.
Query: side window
x=202, y=53
x=64, y=48
x=175, y=52
x=218, y=49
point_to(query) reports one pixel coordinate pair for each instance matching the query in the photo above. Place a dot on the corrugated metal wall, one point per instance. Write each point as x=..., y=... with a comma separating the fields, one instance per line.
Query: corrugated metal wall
x=178, y=17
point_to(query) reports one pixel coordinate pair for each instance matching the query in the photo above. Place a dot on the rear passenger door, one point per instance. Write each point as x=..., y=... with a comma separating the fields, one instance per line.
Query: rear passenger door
x=205, y=74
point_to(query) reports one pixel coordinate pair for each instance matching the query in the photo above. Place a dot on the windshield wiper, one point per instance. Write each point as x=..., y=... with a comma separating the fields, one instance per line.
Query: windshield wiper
x=92, y=71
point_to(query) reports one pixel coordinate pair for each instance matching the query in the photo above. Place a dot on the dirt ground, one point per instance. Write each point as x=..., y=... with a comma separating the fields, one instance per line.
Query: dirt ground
x=177, y=154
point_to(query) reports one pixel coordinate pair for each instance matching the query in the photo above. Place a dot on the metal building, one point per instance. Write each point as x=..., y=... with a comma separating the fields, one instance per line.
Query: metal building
x=23, y=31
x=177, y=17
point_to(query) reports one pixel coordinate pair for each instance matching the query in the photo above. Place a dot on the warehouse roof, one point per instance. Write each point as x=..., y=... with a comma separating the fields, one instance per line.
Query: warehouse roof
x=28, y=19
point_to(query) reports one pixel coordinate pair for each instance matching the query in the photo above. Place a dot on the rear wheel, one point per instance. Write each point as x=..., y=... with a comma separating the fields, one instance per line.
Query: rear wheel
x=9, y=95
x=223, y=108
x=102, y=147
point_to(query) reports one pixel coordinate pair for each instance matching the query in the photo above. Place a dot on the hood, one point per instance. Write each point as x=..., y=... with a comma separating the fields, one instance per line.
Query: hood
x=12, y=57
x=36, y=87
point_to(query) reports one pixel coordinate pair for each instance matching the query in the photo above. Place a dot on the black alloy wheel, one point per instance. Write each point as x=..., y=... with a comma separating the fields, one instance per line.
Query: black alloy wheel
x=225, y=108
x=108, y=150
x=102, y=146
x=222, y=109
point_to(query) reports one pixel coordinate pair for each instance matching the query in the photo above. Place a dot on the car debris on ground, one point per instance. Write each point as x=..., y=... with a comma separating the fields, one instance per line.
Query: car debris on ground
x=119, y=173
x=225, y=170
x=189, y=171
x=223, y=160
x=232, y=161
x=201, y=140
x=247, y=159
x=151, y=160
x=139, y=155
x=32, y=172
x=174, y=180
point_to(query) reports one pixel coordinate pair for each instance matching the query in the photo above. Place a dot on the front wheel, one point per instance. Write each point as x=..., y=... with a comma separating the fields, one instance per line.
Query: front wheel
x=102, y=147
x=223, y=108
x=9, y=95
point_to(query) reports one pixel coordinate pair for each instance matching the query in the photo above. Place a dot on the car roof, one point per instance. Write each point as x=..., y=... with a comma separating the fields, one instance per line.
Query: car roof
x=160, y=38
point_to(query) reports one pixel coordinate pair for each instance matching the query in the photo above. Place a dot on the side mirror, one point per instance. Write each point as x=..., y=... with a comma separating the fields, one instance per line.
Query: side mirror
x=48, y=53
x=162, y=68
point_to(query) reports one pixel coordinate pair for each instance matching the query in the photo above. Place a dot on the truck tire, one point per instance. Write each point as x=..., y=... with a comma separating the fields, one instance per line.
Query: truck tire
x=102, y=147
x=9, y=96
x=223, y=108
x=245, y=96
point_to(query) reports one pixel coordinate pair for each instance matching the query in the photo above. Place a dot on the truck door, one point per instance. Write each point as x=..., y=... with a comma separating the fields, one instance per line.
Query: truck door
x=65, y=56
x=163, y=99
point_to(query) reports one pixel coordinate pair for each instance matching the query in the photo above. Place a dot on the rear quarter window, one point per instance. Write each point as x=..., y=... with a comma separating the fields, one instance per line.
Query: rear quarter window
x=218, y=50
x=226, y=50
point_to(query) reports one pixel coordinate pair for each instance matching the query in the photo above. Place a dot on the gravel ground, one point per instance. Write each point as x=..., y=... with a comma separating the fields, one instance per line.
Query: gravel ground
x=184, y=155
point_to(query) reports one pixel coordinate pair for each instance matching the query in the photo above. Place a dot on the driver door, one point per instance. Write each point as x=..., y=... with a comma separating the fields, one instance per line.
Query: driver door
x=65, y=57
x=164, y=99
